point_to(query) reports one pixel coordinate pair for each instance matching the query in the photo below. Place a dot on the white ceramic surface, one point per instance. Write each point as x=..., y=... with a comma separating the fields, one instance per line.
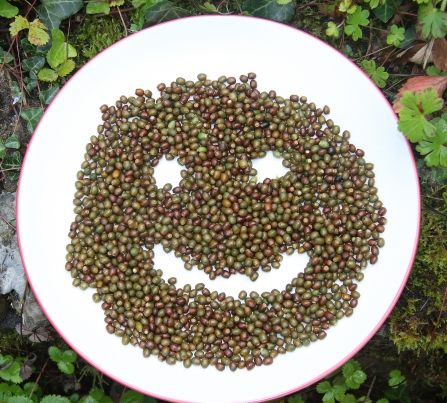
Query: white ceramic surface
x=285, y=59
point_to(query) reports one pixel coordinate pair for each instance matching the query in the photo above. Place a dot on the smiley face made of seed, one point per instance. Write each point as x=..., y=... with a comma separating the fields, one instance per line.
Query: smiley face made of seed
x=220, y=219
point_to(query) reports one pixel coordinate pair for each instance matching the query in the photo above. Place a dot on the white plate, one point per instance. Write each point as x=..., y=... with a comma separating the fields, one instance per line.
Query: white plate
x=285, y=59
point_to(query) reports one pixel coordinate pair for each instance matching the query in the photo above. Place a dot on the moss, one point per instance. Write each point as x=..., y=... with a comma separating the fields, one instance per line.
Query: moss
x=414, y=318
x=94, y=35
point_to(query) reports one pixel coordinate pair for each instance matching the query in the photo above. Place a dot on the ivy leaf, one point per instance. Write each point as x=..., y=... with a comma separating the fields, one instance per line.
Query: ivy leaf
x=18, y=25
x=412, y=122
x=396, y=376
x=12, y=142
x=98, y=7
x=395, y=36
x=354, y=21
x=409, y=37
x=5, y=57
x=59, y=49
x=130, y=396
x=33, y=116
x=2, y=149
x=37, y=35
x=48, y=95
x=270, y=9
x=378, y=75
x=66, y=68
x=54, y=399
x=7, y=10
x=332, y=30
x=431, y=21
x=34, y=63
x=163, y=11
x=386, y=11
x=47, y=75
x=52, y=12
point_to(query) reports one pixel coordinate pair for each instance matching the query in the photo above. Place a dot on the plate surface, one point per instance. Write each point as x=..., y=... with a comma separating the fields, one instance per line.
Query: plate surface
x=286, y=60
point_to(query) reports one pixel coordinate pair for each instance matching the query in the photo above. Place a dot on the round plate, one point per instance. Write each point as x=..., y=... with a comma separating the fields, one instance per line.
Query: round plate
x=286, y=60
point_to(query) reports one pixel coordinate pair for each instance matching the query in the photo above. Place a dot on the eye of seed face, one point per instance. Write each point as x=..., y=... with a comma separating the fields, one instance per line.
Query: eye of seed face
x=185, y=170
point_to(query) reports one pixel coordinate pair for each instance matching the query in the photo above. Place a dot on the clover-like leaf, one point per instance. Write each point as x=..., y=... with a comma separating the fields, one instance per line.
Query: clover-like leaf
x=32, y=115
x=435, y=151
x=20, y=23
x=52, y=12
x=431, y=21
x=346, y=6
x=332, y=30
x=54, y=399
x=64, y=360
x=270, y=9
x=395, y=36
x=374, y=3
x=66, y=68
x=97, y=7
x=355, y=21
x=396, y=376
x=377, y=74
x=7, y=10
x=416, y=105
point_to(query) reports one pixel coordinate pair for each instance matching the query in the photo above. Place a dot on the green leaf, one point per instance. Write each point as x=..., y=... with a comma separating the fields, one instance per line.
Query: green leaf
x=16, y=390
x=34, y=63
x=339, y=392
x=282, y=2
x=209, y=8
x=332, y=30
x=2, y=151
x=69, y=356
x=385, y=11
x=16, y=92
x=347, y=7
x=348, y=370
x=52, y=12
x=97, y=394
x=54, y=399
x=37, y=35
x=66, y=68
x=5, y=359
x=395, y=36
x=409, y=37
x=355, y=21
x=349, y=399
x=148, y=399
x=358, y=376
x=163, y=11
x=26, y=46
x=7, y=10
x=89, y=399
x=48, y=95
x=399, y=393
x=270, y=9
x=295, y=399
x=347, y=51
x=5, y=57
x=412, y=122
x=20, y=23
x=434, y=71
x=74, y=398
x=98, y=7
x=66, y=367
x=33, y=116
x=383, y=400
x=324, y=387
x=12, y=142
x=130, y=396
x=19, y=399
x=12, y=372
x=47, y=75
x=374, y=3
x=378, y=75
x=431, y=21
x=60, y=49
x=435, y=151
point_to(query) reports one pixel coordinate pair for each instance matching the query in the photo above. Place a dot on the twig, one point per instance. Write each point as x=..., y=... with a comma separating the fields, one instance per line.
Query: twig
x=122, y=20
x=38, y=378
x=372, y=53
x=239, y=6
x=23, y=307
x=7, y=222
x=121, y=395
x=369, y=390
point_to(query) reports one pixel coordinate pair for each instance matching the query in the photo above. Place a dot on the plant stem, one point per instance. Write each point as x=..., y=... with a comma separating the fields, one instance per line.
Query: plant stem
x=443, y=4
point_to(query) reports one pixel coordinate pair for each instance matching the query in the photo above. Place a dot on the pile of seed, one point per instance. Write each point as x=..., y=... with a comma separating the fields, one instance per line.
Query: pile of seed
x=222, y=221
